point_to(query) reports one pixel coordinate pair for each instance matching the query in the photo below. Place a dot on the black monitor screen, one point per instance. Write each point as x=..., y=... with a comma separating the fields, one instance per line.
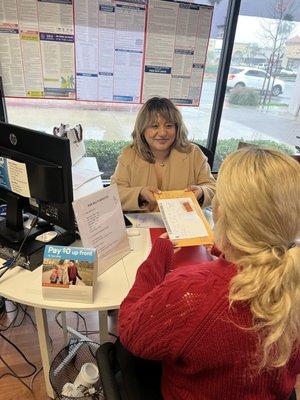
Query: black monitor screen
x=35, y=175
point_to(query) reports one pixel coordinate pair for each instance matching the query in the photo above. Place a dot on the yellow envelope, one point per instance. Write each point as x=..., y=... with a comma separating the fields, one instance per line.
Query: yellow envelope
x=196, y=241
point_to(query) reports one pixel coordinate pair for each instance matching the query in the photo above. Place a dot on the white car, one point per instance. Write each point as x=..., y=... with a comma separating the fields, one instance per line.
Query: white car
x=252, y=78
x=288, y=72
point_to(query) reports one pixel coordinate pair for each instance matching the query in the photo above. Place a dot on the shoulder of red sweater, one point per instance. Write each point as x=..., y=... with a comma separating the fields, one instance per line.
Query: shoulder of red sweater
x=220, y=269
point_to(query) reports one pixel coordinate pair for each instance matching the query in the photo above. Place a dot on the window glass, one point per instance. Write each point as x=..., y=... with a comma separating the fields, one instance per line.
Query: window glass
x=264, y=107
x=234, y=70
x=107, y=127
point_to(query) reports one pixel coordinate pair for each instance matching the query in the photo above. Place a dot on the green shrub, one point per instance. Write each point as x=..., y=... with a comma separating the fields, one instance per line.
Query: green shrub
x=107, y=152
x=244, y=97
x=226, y=146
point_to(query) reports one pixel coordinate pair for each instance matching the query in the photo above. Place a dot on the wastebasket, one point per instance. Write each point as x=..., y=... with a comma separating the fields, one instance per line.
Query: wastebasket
x=67, y=365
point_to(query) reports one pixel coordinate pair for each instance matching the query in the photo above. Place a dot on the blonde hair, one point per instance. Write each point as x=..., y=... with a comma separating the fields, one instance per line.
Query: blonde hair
x=148, y=114
x=258, y=192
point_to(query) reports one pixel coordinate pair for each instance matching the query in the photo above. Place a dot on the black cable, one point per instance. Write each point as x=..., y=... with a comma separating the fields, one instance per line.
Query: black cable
x=32, y=225
x=26, y=313
x=13, y=374
x=11, y=311
x=16, y=325
x=56, y=316
x=11, y=263
x=11, y=325
x=84, y=321
x=23, y=356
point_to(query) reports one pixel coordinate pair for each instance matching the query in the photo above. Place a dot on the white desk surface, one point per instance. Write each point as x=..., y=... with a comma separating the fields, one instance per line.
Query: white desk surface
x=112, y=286
x=25, y=287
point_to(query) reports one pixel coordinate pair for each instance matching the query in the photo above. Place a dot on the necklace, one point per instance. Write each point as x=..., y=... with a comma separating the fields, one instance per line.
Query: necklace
x=162, y=164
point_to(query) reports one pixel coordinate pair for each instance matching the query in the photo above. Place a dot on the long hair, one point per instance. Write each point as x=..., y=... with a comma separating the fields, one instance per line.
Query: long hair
x=258, y=193
x=147, y=115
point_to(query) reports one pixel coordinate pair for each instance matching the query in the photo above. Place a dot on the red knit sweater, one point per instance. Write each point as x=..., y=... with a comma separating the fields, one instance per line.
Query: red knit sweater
x=182, y=318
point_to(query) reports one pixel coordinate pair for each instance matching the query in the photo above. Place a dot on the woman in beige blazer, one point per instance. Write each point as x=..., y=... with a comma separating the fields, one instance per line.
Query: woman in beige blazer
x=161, y=158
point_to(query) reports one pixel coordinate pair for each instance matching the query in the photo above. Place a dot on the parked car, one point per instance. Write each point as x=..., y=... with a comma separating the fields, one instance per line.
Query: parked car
x=252, y=78
x=288, y=72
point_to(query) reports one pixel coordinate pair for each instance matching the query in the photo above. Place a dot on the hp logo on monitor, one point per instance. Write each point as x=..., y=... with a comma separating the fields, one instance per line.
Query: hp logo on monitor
x=13, y=139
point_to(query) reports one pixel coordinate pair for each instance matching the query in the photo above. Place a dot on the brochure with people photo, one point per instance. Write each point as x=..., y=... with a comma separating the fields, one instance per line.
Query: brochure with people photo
x=69, y=273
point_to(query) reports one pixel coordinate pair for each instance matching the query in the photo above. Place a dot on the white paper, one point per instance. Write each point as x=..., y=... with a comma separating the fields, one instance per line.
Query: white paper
x=146, y=220
x=82, y=175
x=101, y=225
x=181, y=219
x=18, y=177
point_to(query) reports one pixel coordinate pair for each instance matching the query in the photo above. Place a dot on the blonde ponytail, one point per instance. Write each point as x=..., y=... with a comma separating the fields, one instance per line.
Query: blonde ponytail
x=259, y=220
x=270, y=282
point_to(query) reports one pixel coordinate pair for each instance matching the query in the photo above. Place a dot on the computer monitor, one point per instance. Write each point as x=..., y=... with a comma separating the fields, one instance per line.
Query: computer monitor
x=35, y=177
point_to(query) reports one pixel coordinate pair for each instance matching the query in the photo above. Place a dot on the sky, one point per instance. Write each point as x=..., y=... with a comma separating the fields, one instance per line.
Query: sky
x=250, y=28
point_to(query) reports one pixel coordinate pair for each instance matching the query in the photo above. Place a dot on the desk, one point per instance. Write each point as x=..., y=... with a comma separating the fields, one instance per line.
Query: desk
x=112, y=287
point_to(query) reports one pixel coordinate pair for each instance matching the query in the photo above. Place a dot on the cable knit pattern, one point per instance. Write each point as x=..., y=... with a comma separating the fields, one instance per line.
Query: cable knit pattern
x=182, y=318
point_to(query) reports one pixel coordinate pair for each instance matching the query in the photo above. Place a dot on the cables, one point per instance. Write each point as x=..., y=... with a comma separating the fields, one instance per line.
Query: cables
x=12, y=372
x=11, y=263
x=19, y=311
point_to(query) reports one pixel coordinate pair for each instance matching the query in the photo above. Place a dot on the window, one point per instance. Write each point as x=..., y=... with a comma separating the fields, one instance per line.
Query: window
x=265, y=111
x=234, y=70
x=107, y=127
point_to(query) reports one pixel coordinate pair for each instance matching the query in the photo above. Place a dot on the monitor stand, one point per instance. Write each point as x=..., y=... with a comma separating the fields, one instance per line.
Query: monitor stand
x=32, y=253
x=13, y=233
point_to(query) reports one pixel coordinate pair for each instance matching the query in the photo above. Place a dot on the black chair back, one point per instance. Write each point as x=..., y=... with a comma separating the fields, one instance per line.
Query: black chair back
x=126, y=377
x=207, y=153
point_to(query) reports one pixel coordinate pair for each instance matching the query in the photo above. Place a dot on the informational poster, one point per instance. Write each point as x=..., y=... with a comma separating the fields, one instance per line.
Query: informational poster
x=177, y=40
x=104, y=50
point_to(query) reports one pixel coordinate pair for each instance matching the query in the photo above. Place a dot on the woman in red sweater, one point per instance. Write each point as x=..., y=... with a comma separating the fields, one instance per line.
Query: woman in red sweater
x=228, y=329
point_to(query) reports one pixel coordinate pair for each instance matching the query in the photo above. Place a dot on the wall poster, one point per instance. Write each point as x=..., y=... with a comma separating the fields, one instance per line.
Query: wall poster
x=104, y=50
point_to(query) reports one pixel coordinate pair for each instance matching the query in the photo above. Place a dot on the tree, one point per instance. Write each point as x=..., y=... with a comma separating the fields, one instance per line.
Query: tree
x=275, y=32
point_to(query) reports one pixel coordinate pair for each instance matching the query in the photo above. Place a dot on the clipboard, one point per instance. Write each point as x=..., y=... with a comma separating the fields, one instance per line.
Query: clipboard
x=188, y=206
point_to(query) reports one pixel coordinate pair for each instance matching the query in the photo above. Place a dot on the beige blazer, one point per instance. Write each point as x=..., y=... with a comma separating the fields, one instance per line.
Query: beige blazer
x=182, y=170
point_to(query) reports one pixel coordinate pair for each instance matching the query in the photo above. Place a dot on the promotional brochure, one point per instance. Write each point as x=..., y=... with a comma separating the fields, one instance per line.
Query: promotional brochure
x=69, y=273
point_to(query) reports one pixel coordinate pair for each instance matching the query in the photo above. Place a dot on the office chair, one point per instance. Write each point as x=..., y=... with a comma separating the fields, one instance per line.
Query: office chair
x=207, y=153
x=126, y=377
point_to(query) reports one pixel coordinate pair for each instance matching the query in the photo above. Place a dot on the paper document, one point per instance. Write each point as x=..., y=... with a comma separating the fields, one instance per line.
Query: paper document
x=13, y=176
x=101, y=225
x=82, y=175
x=146, y=220
x=183, y=218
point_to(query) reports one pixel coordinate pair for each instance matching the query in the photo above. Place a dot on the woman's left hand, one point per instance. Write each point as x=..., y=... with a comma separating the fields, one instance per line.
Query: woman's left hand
x=197, y=190
x=166, y=236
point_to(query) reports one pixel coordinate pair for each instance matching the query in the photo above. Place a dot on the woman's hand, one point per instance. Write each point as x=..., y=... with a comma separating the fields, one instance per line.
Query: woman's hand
x=147, y=198
x=197, y=190
x=166, y=236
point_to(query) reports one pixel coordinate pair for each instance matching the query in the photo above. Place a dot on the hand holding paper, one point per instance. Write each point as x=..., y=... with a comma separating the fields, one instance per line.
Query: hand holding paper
x=183, y=218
